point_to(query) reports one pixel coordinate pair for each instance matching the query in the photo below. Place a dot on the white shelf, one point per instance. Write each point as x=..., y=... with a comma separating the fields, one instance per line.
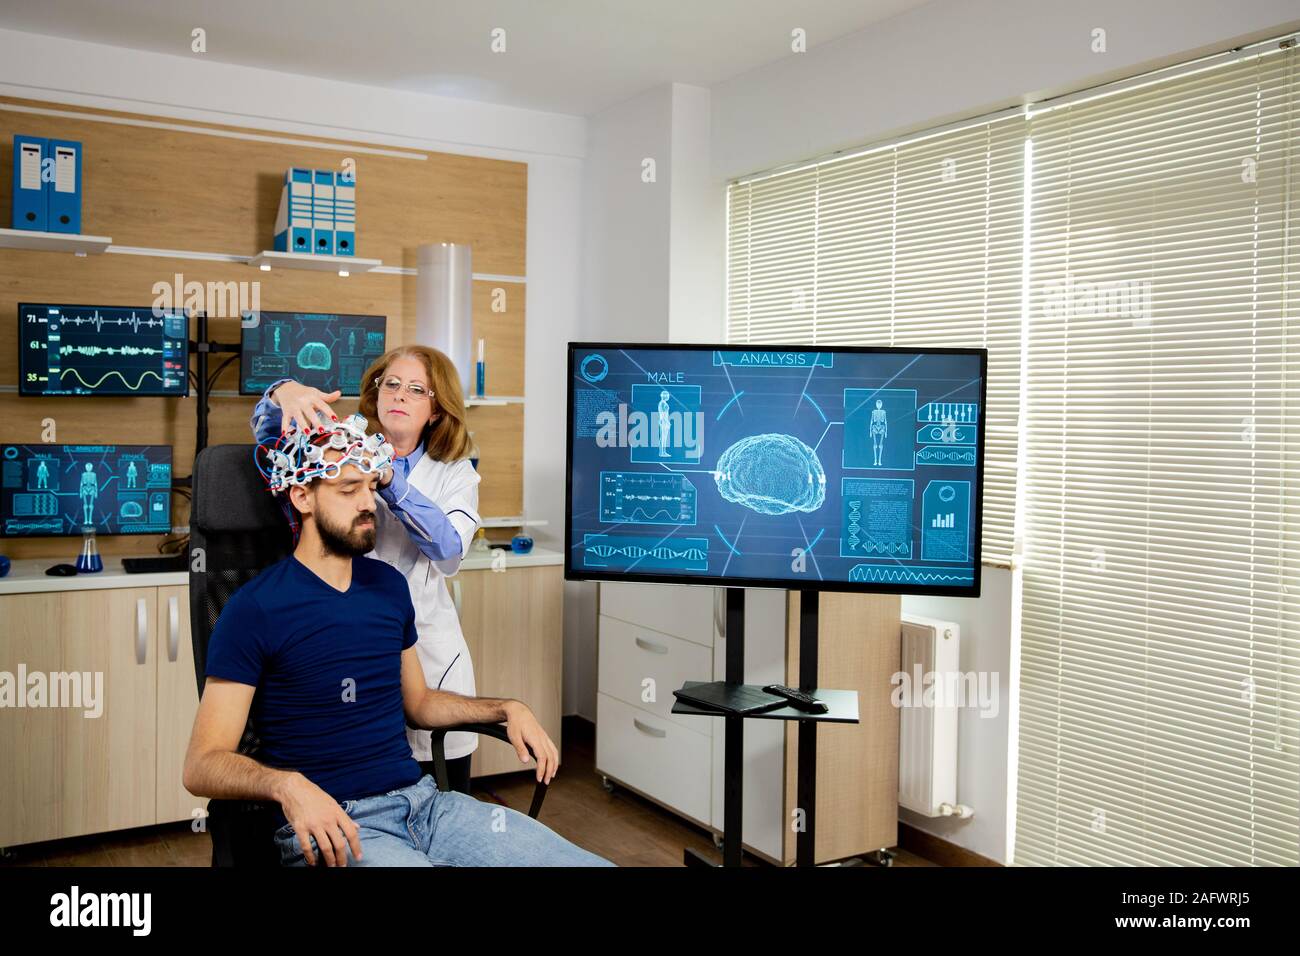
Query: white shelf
x=515, y=522
x=494, y=400
x=53, y=241
x=314, y=263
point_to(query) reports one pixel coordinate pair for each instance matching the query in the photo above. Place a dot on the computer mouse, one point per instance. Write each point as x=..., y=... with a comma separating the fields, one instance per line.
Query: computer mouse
x=61, y=570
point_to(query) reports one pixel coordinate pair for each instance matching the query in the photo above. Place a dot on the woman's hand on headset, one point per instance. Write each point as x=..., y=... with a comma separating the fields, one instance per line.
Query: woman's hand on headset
x=304, y=405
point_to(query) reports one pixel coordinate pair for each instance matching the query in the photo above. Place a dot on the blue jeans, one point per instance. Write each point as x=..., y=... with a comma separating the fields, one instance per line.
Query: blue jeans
x=421, y=826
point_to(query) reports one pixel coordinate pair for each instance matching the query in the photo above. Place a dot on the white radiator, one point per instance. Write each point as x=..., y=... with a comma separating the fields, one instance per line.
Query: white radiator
x=927, y=735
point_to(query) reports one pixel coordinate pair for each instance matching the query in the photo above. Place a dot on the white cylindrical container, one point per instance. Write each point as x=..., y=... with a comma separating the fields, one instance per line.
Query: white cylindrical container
x=443, y=312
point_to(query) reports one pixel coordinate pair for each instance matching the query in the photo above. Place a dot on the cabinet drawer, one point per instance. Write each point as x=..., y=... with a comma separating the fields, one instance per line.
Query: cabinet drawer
x=660, y=758
x=685, y=611
x=629, y=654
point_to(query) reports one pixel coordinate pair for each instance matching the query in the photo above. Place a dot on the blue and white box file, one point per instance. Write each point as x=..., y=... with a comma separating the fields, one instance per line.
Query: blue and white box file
x=322, y=212
x=30, y=204
x=64, y=190
x=293, y=223
x=345, y=214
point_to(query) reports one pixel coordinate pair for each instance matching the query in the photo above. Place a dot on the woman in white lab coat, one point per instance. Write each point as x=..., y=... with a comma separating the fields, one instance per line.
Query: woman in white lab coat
x=427, y=508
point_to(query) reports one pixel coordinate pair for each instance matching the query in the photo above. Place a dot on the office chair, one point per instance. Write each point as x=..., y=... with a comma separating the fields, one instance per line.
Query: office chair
x=236, y=530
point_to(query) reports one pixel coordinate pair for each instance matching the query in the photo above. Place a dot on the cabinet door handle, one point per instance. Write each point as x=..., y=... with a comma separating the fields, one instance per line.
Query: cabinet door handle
x=141, y=631
x=173, y=628
x=647, y=729
x=650, y=646
x=455, y=594
x=719, y=620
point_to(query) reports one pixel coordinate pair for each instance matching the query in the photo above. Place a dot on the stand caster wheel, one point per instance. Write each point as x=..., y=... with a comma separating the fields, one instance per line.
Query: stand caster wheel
x=882, y=857
x=606, y=783
x=7, y=855
x=717, y=841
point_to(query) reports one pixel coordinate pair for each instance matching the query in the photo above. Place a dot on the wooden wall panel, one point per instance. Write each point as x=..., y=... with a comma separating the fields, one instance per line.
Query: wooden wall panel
x=186, y=191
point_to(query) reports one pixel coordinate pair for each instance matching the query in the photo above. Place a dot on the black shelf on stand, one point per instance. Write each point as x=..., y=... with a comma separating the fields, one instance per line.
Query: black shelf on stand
x=843, y=708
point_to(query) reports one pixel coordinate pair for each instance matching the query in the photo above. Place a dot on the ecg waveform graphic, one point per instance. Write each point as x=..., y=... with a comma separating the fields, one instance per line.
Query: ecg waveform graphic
x=637, y=498
x=133, y=321
x=645, y=552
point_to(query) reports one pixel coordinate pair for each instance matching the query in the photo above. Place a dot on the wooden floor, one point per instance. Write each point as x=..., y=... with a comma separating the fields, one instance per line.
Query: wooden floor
x=619, y=826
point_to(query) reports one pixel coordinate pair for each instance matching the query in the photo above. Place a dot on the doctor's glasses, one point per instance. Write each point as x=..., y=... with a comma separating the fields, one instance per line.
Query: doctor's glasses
x=392, y=385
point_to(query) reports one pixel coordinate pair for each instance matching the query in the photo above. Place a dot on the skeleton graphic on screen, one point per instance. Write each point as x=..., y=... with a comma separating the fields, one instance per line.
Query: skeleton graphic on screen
x=878, y=429
x=89, y=492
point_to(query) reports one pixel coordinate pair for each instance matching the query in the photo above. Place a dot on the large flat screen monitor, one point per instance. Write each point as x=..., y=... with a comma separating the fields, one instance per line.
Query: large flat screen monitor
x=59, y=489
x=836, y=469
x=102, y=350
x=323, y=350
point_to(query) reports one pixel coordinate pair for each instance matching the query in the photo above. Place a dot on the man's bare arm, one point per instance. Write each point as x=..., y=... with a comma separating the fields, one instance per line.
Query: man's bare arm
x=429, y=708
x=214, y=769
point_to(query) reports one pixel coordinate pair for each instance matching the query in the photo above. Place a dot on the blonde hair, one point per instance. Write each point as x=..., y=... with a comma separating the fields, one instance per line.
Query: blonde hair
x=447, y=439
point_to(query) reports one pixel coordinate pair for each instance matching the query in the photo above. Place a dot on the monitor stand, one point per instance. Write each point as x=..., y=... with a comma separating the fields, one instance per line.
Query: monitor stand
x=202, y=348
x=843, y=709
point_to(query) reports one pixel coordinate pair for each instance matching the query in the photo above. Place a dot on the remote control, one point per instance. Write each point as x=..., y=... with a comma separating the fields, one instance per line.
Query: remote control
x=798, y=699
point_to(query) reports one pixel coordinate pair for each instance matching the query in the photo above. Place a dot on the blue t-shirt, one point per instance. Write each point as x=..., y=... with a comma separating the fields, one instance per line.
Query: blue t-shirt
x=327, y=665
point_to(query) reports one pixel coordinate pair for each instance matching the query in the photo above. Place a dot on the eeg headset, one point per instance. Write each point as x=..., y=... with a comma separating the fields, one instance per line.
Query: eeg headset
x=298, y=457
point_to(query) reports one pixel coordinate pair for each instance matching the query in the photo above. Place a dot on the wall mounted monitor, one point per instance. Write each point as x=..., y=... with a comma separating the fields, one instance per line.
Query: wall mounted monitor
x=59, y=489
x=102, y=350
x=323, y=350
x=837, y=469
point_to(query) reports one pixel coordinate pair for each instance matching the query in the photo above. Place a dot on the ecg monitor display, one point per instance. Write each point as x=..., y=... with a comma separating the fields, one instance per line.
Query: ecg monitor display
x=322, y=350
x=59, y=489
x=843, y=469
x=102, y=350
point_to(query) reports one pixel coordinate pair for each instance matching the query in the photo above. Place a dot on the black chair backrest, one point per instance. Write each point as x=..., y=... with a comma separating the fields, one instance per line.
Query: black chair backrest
x=236, y=530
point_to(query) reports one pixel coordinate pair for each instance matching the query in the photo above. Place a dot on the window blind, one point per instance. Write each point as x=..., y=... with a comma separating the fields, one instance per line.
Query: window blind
x=914, y=244
x=1160, y=653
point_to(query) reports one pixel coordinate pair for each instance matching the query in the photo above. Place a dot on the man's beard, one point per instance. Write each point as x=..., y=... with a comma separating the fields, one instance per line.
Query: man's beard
x=352, y=542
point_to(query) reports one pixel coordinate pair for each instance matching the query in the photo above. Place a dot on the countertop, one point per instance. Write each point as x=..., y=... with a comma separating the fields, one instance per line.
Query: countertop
x=27, y=576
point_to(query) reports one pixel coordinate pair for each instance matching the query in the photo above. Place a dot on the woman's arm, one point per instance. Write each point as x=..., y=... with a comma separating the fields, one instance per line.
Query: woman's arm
x=265, y=420
x=442, y=530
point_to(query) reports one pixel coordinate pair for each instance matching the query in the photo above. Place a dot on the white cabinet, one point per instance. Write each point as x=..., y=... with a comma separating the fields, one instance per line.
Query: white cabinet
x=653, y=638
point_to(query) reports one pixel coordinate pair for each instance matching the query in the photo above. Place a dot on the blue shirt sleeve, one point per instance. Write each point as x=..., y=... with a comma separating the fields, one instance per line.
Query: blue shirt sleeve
x=265, y=420
x=411, y=635
x=237, y=650
x=428, y=525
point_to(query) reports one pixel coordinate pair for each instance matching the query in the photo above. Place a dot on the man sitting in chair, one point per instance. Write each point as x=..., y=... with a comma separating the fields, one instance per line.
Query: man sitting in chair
x=321, y=647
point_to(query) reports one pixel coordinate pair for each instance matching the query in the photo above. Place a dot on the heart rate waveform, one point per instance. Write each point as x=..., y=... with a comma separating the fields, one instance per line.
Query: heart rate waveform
x=645, y=552
x=132, y=321
x=639, y=498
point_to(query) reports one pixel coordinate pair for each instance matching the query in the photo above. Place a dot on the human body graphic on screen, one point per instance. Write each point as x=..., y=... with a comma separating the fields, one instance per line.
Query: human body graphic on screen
x=879, y=429
x=789, y=464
